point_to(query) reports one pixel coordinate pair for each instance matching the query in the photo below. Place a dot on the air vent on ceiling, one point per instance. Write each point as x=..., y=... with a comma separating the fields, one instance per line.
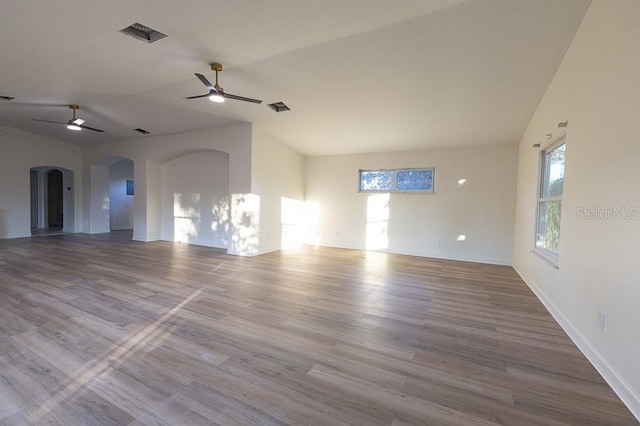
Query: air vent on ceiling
x=279, y=107
x=143, y=131
x=142, y=32
x=7, y=98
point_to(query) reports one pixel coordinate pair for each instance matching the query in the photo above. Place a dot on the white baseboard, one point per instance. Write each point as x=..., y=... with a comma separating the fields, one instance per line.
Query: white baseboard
x=257, y=253
x=267, y=250
x=143, y=238
x=615, y=380
x=100, y=231
x=474, y=259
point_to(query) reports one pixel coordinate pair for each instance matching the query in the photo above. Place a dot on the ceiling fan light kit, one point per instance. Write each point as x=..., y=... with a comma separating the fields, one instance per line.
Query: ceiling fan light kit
x=216, y=97
x=216, y=92
x=74, y=123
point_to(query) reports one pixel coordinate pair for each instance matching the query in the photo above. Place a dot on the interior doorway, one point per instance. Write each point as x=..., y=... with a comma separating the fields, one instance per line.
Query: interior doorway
x=33, y=180
x=55, y=209
x=52, y=200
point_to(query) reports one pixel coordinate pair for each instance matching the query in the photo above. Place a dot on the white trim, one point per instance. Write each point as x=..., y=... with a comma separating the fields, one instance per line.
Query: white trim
x=486, y=260
x=143, y=238
x=394, y=190
x=99, y=231
x=613, y=378
x=559, y=140
x=547, y=255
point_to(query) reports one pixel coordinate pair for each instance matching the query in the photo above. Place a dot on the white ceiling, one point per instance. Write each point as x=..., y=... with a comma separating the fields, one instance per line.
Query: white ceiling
x=359, y=75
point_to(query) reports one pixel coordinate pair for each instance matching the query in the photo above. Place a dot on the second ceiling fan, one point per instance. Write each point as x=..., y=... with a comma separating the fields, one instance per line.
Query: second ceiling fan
x=216, y=92
x=74, y=122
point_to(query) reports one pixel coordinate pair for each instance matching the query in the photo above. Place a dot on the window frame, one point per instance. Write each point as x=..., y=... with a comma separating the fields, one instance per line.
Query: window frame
x=395, y=189
x=544, y=252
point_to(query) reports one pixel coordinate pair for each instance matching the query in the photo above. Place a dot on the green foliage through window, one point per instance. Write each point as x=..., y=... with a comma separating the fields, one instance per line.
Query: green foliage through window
x=550, y=198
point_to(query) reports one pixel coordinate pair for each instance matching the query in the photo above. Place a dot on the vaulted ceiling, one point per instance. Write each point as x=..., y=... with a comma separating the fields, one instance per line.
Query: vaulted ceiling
x=358, y=75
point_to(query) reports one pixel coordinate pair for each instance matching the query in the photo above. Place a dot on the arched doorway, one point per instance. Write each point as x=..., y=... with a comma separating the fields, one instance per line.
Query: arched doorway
x=52, y=200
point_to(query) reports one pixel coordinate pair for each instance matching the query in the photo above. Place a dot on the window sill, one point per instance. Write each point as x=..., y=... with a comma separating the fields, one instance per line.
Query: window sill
x=547, y=256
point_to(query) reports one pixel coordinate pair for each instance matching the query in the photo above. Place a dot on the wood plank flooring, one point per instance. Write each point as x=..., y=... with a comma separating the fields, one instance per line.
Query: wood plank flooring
x=103, y=330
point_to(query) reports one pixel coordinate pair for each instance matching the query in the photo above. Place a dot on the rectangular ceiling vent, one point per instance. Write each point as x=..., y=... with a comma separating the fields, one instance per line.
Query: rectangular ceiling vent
x=143, y=131
x=7, y=98
x=142, y=32
x=279, y=107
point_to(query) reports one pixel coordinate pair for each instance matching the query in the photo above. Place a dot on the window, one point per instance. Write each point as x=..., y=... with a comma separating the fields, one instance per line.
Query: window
x=550, y=199
x=400, y=180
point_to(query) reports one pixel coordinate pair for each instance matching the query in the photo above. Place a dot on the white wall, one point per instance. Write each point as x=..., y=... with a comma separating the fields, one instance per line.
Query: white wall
x=68, y=201
x=277, y=178
x=597, y=90
x=99, y=201
x=482, y=208
x=150, y=152
x=20, y=152
x=195, y=199
x=120, y=204
x=262, y=171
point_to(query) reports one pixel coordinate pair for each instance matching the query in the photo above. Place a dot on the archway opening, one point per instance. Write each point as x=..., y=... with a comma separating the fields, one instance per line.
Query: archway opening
x=111, y=196
x=52, y=200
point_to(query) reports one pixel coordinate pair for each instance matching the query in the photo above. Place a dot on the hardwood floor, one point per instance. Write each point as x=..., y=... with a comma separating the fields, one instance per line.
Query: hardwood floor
x=103, y=330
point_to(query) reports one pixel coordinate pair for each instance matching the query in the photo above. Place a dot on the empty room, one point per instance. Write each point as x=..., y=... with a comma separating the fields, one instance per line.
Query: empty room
x=302, y=212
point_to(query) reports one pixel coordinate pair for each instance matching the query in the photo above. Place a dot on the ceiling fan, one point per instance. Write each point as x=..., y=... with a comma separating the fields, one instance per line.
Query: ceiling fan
x=74, y=123
x=216, y=92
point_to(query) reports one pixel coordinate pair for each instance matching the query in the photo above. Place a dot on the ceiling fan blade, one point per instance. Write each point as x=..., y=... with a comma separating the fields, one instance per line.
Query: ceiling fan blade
x=66, y=124
x=49, y=121
x=204, y=81
x=198, y=96
x=91, y=128
x=241, y=98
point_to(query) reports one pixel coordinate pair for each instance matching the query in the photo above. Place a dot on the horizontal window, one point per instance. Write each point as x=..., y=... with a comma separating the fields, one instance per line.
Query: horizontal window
x=397, y=180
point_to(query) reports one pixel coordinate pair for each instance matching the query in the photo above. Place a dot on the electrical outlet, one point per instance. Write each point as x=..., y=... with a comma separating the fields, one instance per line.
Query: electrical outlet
x=602, y=320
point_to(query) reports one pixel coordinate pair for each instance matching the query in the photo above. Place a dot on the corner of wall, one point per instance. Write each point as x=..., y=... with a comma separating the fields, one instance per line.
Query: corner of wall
x=617, y=382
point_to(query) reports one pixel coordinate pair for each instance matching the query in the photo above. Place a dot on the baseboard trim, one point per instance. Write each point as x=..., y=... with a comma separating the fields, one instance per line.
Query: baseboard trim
x=144, y=238
x=100, y=231
x=473, y=259
x=614, y=379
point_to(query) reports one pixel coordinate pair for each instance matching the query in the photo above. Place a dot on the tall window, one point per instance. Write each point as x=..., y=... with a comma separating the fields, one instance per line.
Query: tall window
x=550, y=199
x=398, y=180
